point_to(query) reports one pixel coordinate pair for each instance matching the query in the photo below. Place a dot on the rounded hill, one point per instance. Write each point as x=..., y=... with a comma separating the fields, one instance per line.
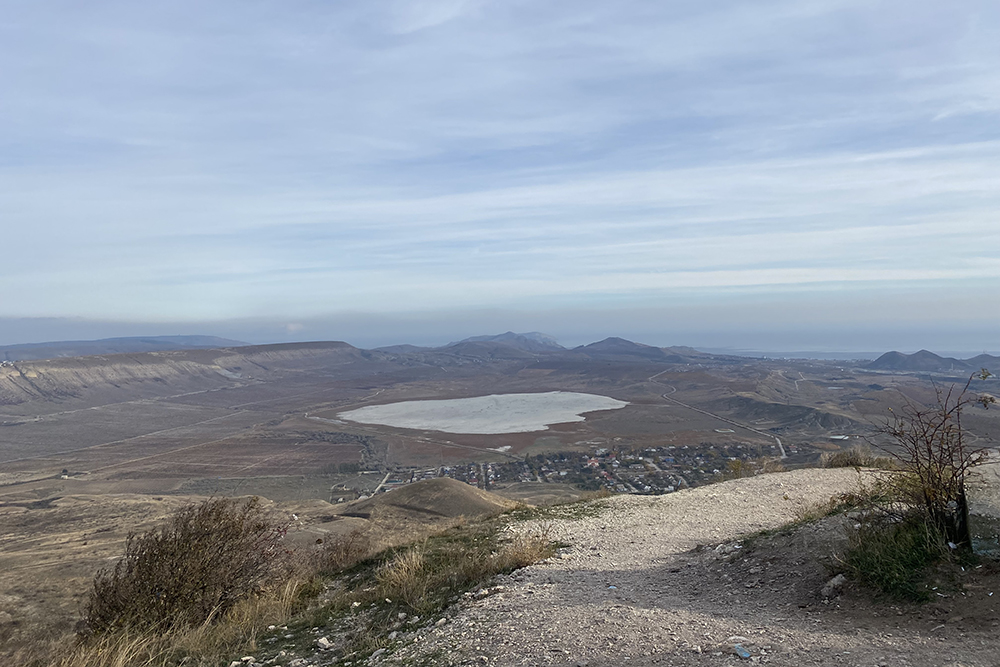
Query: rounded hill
x=443, y=498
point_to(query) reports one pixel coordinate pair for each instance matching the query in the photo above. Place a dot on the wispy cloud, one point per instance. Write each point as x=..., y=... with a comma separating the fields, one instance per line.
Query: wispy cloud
x=188, y=161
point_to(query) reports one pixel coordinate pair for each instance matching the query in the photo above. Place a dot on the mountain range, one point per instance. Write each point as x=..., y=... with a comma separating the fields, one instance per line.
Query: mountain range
x=532, y=341
x=929, y=362
x=508, y=345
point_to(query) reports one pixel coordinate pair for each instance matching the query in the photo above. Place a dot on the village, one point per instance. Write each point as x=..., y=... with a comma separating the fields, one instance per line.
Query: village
x=647, y=471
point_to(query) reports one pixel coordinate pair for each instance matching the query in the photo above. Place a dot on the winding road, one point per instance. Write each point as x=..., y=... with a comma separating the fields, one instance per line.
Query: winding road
x=673, y=389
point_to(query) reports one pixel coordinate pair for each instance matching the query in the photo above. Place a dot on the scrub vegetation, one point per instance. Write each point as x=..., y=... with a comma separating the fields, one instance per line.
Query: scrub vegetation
x=215, y=582
x=917, y=514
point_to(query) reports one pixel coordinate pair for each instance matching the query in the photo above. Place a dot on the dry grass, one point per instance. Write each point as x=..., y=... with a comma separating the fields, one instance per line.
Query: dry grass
x=405, y=577
x=207, y=559
x=420, y=581
x=119, y=650
x=211, y=643
x=336, y=555
x=857, y=457
x=348, y=580
x=741, y=468
x=599, y=494
x=454, y=561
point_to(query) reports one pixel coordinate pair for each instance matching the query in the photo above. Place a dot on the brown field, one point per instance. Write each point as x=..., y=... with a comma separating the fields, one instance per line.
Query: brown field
x=138, y=437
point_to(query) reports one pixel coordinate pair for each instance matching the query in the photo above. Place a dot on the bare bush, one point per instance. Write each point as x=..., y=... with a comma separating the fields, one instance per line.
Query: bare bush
x=937, y=457
x=205, y=560
x=916, y=514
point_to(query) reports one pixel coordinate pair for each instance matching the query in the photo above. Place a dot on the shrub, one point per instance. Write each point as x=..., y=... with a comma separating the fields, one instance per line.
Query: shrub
x=937, y=457
x=857, y=457
x=917, y=514
x=343, y=552
x=206, y=559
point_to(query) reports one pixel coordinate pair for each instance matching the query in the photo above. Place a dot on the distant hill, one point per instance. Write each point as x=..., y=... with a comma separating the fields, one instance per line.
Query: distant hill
x=620, y=347
x=128, y=345
x=405, y=348
x=532, y=341
x=487, y=350
x=114, y=377
x=932, y=363
x=987, y=361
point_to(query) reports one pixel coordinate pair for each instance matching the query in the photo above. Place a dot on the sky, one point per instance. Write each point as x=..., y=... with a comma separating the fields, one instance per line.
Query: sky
x=774, y=175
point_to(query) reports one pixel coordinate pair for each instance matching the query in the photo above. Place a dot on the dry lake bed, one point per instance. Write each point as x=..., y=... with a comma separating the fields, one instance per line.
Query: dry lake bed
x=498, y=413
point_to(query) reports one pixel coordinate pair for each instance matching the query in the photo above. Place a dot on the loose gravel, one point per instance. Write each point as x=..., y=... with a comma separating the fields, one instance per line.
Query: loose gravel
x=664, y=581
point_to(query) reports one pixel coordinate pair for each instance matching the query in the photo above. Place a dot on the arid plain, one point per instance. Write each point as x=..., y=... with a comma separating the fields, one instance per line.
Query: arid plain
x=92, y=448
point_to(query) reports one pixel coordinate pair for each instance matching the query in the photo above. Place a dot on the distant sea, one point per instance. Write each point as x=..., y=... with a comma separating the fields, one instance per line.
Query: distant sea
x=831, y=355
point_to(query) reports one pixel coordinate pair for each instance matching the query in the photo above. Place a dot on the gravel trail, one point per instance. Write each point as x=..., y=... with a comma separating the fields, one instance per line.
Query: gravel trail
x=661, y=581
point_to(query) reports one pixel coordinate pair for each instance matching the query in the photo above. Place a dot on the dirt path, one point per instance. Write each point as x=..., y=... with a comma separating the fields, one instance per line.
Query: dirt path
x=633, y=588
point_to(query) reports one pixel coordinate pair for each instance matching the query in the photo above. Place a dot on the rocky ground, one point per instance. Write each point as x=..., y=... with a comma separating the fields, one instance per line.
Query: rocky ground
x=727, y=574
x=665, y=581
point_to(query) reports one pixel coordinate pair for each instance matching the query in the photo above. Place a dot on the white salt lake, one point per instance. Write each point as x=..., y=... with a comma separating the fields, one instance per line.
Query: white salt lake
x=497, y=413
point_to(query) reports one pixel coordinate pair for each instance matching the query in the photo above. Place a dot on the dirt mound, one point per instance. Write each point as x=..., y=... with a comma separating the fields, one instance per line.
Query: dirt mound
x=442, y=498
x=413, y=512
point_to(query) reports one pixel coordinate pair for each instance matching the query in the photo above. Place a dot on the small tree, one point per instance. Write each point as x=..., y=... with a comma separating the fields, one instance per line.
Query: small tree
x=206, y=558
x=934, y=449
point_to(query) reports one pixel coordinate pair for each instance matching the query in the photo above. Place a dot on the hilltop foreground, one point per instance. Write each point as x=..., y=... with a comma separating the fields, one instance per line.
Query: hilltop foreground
x=662, y=581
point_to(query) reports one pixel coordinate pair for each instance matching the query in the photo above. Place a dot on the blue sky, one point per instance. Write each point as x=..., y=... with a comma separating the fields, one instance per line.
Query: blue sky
x=803, y=174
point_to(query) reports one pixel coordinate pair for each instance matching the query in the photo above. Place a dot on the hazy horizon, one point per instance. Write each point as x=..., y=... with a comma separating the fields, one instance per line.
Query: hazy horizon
x=775, y=176
x=366, y=334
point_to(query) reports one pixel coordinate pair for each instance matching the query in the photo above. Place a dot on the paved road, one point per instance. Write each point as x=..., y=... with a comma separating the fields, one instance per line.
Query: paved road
x=382, y=483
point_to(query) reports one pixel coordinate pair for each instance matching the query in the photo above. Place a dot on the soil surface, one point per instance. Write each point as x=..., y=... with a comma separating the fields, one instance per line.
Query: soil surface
x=667, y=581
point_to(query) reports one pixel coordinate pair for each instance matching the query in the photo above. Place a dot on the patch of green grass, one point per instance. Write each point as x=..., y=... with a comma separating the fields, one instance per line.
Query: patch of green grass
x=894, y=557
